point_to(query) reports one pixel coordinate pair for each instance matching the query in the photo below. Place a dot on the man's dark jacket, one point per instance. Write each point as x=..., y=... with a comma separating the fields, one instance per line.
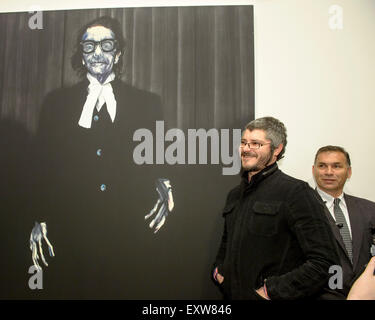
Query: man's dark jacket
x=362, y=222
x=275, y=232
x=103, y=245
x=94, y=197
x=104, y=248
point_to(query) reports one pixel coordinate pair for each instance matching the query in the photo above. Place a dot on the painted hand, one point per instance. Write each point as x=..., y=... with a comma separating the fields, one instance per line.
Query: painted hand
x=37, y=233
x=164, y=189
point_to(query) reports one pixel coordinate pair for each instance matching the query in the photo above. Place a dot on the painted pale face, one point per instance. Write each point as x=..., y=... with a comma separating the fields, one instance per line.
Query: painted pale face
x=331, y=172
x=254, y=160
x=100, y=63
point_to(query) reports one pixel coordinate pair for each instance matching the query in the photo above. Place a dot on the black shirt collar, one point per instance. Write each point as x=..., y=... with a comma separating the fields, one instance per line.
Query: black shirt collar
x=267, y=171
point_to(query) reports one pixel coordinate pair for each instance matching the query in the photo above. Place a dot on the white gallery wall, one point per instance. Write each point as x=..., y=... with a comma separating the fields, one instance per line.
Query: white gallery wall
x=318, y=79
x=314, y=70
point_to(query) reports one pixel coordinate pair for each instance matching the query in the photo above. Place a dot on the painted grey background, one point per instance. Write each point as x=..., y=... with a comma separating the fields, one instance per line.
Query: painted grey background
x=200, y=60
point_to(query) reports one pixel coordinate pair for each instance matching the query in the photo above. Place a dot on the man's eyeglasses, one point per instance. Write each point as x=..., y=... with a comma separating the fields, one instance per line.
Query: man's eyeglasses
x=252, y=145
x=106, y=45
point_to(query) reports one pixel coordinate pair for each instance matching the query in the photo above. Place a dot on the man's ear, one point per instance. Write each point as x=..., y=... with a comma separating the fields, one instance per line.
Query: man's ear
x=349, y=172
x=117, y=56
x=277, y=151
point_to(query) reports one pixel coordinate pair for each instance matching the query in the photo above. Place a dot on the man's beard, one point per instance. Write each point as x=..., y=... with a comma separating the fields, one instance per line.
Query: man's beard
x=263, y=161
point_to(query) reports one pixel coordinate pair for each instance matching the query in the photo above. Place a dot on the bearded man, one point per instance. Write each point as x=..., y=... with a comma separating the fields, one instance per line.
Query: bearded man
x=277, y=243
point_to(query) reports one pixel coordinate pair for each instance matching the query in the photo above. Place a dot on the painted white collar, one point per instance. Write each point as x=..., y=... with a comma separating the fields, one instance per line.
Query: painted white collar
x=98, y=95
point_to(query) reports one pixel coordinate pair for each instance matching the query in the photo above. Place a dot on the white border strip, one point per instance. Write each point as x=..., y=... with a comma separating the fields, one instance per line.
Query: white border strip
x=47, y=5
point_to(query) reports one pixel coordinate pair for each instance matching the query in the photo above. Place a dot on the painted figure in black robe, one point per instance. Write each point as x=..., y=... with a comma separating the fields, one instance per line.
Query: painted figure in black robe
x=91, y=196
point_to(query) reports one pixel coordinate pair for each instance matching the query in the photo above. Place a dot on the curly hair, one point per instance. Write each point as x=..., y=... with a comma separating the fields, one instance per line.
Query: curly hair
x=107, y=22
x=275, y=131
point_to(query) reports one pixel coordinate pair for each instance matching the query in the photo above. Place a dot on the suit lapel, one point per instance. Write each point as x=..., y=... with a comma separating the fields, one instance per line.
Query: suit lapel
x=125, y=118
x=77, y=97
x=355, y=223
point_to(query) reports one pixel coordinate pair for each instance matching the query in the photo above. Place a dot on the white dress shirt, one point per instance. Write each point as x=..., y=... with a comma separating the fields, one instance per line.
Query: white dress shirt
x=98, y=95
x=328, y=200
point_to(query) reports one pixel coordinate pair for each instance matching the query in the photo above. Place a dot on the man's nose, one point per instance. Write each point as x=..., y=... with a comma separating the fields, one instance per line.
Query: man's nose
x=329, y=170
x=98, y=50
x=246, y=147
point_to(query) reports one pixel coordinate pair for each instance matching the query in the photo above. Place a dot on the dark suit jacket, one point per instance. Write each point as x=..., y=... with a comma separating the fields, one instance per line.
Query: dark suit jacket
x=362, y=220
x=104, y=248
x=94, y=197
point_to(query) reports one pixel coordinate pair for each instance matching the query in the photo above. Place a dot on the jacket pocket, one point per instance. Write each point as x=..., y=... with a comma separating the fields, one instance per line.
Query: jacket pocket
x=264, y=219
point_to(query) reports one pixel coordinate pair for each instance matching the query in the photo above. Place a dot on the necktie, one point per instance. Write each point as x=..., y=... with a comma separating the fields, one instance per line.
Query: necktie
x=344, y=230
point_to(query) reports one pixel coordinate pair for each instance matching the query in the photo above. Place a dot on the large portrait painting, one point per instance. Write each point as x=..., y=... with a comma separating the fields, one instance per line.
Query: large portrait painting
x=119, y=135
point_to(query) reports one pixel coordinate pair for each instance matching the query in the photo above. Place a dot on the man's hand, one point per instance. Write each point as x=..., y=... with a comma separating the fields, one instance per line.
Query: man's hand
x=37, y=233
x=219, y=278
x=364, y=287
x=164, y=189
x=262, y=293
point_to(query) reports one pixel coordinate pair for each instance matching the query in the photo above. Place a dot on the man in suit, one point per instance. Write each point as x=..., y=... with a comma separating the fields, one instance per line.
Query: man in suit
x=90, y=195
x=351, y=218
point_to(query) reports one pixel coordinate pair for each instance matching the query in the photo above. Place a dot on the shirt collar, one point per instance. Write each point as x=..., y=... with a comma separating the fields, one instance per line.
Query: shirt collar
x=260, y=175
x=328, y=199
x=98, y=95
